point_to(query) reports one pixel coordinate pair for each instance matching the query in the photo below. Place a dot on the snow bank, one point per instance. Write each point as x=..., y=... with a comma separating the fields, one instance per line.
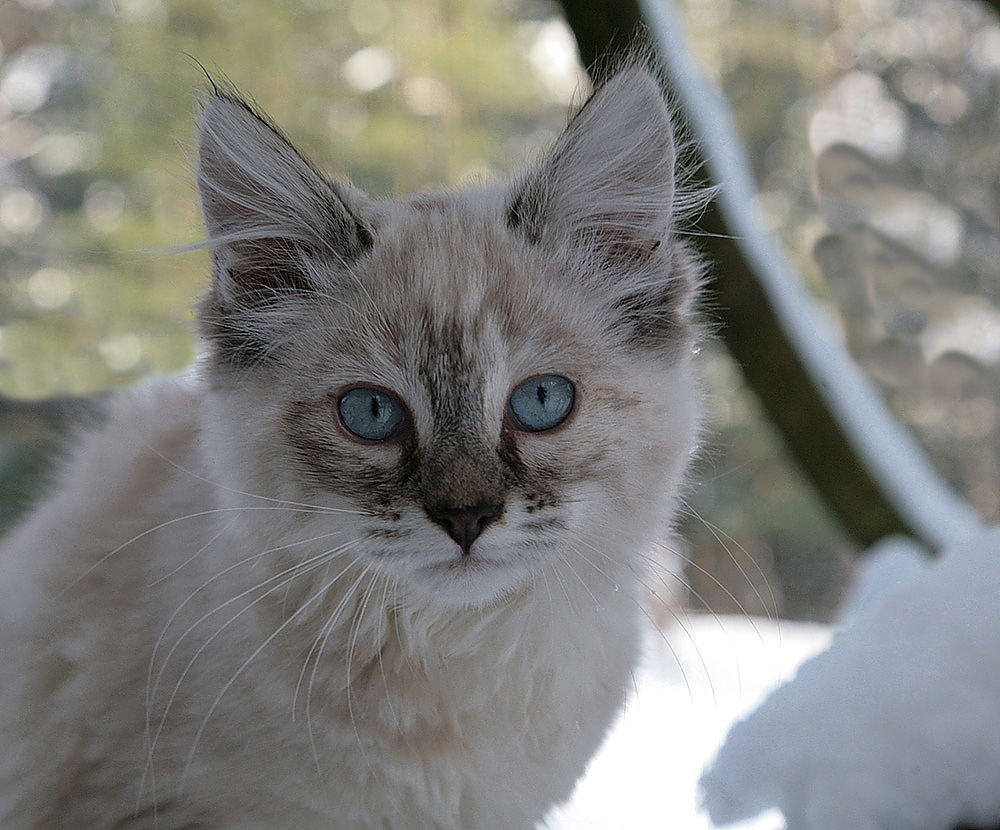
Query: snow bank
x=896, y=725
x=696, y=678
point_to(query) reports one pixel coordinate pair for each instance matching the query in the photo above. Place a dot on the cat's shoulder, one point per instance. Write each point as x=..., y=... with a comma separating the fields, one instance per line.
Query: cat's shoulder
x=160, y=417
x=127, y=446
x=127, y=461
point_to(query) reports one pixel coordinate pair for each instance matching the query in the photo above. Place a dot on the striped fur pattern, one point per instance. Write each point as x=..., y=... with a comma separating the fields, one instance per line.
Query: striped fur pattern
x=231, y=611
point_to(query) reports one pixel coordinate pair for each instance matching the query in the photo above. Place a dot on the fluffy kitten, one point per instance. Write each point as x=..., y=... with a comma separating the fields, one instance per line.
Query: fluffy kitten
x=376, y=563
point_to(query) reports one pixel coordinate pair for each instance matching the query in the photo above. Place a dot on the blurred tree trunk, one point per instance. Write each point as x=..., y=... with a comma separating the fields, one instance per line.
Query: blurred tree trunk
x=751, y=330
x=604, y=29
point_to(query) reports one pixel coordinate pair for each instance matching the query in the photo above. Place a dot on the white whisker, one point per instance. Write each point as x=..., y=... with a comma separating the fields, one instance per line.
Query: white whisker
x=771, y=609
x=655, y=627
x=238, y=673
x=281, y=579
x=292, y=507
x=317, y=648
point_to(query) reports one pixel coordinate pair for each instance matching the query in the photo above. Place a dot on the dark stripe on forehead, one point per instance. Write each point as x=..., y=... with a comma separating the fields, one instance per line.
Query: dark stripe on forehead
x=448, y=369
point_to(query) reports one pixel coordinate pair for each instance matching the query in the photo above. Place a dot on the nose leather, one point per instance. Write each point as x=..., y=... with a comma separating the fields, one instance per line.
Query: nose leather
x=465, y=524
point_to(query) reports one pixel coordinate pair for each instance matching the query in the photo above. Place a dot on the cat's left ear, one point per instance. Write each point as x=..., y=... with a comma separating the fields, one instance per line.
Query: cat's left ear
x=603, y=201
x=267, y=210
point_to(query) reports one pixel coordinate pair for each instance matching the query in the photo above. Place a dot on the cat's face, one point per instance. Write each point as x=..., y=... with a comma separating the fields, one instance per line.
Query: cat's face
x=493, y=385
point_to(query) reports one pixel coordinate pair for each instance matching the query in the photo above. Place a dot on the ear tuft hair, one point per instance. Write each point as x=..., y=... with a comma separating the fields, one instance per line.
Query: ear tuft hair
x=277, y=228
x=265, y=205
x=603, y=201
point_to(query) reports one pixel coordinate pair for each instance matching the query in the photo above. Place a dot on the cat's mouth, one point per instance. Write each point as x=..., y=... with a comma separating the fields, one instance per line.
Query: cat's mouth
x=469, y=565
x=472, y=563
x=471, y=578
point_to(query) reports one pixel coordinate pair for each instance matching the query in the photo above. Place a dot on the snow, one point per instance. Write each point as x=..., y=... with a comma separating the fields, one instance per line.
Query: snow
x=697, y=676
x=897, y=724
x=890, y=719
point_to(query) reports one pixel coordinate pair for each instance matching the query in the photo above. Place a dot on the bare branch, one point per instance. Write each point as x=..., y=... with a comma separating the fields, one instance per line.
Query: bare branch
x=867, y=468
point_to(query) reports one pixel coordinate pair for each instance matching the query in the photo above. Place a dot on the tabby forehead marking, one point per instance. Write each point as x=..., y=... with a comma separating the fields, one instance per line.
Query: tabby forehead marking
x=450, y=373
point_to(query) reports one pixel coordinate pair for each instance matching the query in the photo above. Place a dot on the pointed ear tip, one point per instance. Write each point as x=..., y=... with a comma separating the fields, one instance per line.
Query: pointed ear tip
x=211, y=115
x=221, y=103
x=640, y=84
x=637, y=74
x=223, y=117
x=215, y=104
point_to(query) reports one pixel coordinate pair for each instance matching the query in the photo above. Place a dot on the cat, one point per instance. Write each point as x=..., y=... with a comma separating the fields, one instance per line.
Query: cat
x=376, y=561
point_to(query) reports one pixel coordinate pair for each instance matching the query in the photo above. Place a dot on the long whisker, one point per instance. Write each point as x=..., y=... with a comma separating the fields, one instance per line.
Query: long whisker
x=655, y=566
x=317, y=648
x=556, y=572
x=722, y=538
x=352, y=640
x=645, y=612
x=380, y=637
x=281, y=503
x=293, y=508
x=313, y=655
x=243, y=666
x=319, y=558
x=192, y=557
x=152, y=659
x=281, y=579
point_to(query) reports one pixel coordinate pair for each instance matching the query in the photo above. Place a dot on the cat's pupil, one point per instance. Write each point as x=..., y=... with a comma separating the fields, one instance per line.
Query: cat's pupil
x=372, y=414
x=542, y=403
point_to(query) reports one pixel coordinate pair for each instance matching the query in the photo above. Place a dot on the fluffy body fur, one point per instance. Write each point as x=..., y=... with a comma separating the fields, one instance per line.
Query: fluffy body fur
x=232, y=612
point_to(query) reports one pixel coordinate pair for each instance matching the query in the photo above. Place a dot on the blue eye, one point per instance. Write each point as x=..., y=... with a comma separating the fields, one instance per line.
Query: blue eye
x=542, y=403
x=371, y=414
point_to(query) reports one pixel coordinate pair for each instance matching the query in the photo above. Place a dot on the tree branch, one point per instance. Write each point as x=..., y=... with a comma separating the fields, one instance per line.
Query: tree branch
x=829, y=445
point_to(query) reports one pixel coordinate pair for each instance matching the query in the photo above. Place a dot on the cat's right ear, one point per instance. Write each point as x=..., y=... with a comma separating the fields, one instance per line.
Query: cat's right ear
x=602, y=204
x=269, y=214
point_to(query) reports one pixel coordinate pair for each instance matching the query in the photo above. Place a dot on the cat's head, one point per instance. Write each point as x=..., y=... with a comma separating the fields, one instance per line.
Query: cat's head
x=489, y=385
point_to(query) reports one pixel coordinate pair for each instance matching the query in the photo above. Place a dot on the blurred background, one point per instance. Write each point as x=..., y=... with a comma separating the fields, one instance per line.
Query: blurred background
x=872, y=127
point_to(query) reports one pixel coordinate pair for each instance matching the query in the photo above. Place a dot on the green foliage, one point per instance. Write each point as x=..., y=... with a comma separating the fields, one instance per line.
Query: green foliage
x=97, y=142
x=397, y=96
